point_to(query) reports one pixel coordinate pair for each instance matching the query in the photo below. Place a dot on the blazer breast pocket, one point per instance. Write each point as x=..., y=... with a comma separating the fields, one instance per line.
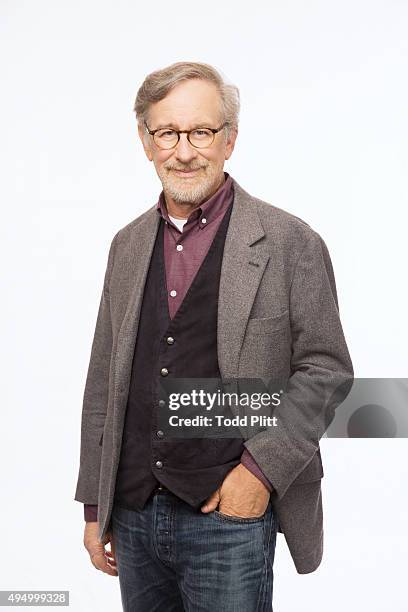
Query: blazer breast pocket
x=268, y=325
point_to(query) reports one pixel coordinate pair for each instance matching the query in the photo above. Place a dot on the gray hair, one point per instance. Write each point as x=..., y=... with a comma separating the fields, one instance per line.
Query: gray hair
x=159, y=83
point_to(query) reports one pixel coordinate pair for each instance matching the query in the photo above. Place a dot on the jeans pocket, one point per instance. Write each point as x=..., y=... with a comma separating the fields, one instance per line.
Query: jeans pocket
x=237, y=519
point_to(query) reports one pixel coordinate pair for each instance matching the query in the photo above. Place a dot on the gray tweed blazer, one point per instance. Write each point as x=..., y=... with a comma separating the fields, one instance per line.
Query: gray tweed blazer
x=278, y=318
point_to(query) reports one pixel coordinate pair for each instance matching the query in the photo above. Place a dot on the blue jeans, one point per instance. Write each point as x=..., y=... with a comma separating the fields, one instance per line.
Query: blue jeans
x=172, y=558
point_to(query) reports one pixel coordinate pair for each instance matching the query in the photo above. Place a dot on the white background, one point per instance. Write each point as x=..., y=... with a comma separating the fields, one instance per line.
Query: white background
x=323, y=134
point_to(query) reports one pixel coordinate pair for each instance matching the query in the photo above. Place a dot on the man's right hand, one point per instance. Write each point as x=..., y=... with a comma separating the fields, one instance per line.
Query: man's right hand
x=102, y=559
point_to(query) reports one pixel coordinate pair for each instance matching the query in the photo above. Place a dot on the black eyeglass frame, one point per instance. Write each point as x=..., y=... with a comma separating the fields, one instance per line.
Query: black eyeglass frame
x=188, y=132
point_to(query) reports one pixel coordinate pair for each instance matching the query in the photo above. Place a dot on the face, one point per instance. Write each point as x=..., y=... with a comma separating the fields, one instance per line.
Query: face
x=188, y=174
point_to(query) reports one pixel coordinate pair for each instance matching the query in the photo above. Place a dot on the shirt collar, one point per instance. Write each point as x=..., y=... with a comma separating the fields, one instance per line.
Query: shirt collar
x=208, y=210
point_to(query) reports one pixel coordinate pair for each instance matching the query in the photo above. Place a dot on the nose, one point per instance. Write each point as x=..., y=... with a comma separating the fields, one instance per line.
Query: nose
x=185, y=151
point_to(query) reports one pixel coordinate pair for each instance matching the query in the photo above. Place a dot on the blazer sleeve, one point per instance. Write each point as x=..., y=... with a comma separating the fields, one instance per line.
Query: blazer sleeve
x=321, y=371
x=95, y=398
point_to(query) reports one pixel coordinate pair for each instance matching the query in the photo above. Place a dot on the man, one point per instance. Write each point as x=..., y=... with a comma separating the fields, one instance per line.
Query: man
x=209, y=282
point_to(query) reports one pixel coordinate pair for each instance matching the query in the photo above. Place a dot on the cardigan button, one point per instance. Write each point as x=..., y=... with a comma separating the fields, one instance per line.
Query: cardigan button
x=164, y=371
x=159, y=464
x=170, y=340
x=159, y=433
x=162, y=403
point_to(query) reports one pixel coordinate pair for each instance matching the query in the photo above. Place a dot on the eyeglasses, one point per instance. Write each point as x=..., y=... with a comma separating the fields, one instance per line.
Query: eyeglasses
x=167, y=138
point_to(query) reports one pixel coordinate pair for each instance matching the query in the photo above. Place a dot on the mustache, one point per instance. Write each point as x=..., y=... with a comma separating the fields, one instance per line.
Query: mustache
x=185, y=168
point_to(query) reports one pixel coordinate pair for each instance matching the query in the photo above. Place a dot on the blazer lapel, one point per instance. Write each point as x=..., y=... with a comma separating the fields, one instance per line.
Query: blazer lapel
x=140, y=249
x=242, y=268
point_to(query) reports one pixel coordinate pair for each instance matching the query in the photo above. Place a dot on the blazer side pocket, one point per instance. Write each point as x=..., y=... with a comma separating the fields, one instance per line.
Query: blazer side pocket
x=312, y=472
x=268, y=325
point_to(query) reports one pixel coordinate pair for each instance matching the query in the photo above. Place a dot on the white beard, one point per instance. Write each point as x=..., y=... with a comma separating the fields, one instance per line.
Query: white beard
x=190, y=190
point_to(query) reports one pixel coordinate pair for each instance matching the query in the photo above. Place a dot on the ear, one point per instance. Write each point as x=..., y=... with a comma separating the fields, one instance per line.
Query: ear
x=145, y=138
x=230, y=144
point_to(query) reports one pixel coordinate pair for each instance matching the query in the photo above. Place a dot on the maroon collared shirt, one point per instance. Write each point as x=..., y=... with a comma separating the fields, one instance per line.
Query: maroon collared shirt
x=184, y=252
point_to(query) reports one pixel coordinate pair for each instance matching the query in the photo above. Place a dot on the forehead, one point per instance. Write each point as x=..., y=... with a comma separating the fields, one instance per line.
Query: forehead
x=190, y=103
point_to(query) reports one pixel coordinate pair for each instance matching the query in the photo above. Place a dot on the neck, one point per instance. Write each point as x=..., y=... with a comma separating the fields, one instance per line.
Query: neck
x=182, y=210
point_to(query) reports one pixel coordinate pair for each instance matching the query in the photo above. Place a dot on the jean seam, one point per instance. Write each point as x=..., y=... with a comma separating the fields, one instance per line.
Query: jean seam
x=267, y=542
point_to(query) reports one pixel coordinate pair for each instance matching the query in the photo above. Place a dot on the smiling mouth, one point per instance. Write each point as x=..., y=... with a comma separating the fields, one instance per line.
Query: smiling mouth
x=186, y=173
